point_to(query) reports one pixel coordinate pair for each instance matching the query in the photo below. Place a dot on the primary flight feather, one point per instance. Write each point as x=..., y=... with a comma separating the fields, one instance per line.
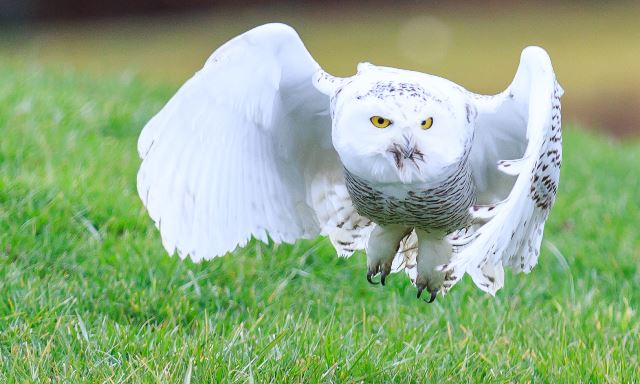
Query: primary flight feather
x=423, y=174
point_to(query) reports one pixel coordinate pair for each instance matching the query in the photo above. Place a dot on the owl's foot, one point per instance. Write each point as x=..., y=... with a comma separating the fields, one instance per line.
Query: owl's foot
x=432, y=252
x=429, y=279
x=433, y=293
x=381, y=250
x=384, y=269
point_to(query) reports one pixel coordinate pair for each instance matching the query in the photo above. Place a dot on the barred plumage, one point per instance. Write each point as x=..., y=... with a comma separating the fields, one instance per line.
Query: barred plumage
x=442, y=208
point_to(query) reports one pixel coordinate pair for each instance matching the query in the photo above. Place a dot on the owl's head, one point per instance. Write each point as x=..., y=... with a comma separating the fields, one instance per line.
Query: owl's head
x=393, y=125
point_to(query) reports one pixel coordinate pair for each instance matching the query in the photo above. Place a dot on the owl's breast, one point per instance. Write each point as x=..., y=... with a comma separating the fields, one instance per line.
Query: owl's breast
x=441, y=208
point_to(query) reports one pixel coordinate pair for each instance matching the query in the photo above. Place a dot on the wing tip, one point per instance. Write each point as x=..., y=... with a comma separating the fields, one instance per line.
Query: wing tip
x=272, y=32
x=277, y=27
x=534, y=52
x=534, y=61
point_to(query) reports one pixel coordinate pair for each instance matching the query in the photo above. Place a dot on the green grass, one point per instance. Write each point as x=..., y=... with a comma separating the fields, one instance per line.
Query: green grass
x=87, y=294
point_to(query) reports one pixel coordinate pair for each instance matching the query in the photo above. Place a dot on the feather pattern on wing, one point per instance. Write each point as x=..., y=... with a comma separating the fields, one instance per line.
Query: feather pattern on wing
x=518, y=134
x=244, y=149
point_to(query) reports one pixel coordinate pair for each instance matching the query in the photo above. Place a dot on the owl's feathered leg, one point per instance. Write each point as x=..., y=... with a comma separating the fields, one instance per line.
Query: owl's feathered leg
x=382, y=247
x=432, y=252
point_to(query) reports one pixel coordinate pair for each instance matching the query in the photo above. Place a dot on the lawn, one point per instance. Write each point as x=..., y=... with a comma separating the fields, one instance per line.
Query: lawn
x=87, y=293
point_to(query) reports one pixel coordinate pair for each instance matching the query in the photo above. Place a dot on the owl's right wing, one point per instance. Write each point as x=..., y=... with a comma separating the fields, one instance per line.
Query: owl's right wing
x=244, y=149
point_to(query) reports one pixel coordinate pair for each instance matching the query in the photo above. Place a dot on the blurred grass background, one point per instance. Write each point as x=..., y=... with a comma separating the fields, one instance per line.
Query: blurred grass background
x=594, y=46
x=87, y=293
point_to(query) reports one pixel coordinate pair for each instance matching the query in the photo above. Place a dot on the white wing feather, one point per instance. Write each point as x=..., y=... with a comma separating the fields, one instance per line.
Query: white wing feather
x=242, y=149
x=518, y=133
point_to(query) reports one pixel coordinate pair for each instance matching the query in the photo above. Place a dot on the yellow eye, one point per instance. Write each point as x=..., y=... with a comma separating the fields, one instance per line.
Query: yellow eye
x=380, y=122
x=426, y=124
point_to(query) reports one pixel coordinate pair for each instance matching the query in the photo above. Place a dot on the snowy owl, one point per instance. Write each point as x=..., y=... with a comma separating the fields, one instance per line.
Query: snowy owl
x=422, y=174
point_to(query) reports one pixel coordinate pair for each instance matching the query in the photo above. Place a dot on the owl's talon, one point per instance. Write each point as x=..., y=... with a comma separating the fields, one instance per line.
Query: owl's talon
x=383, y=277
x=434, y=293
x=369, y=276
x=432, y=298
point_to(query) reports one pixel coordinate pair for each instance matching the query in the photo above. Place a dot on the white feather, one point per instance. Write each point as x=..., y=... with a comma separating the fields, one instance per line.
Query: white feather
x=240, y=150
x=526, y=115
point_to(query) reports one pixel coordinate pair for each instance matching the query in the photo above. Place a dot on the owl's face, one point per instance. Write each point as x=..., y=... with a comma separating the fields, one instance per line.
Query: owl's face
x=393, y=126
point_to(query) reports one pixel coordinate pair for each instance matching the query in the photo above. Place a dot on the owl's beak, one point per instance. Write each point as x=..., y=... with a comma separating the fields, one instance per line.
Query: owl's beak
x=406, y=151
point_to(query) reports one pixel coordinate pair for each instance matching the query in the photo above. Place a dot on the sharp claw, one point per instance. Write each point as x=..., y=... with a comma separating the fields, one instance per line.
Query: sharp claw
x=433, y=297
x=383, y=277
x=369, y=275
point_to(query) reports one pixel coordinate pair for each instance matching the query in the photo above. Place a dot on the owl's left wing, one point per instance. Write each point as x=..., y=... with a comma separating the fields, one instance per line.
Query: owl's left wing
x=515, y=160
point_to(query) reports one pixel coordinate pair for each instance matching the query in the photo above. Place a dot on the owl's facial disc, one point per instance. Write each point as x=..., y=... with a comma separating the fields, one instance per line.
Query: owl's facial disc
x=394, y=126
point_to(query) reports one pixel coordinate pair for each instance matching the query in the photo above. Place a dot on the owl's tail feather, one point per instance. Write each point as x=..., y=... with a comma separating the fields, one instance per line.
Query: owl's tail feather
x=406, y=258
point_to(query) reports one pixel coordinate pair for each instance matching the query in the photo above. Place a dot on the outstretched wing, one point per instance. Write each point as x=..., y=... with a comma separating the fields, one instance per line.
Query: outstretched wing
x=515, y=159
x=244, y=149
